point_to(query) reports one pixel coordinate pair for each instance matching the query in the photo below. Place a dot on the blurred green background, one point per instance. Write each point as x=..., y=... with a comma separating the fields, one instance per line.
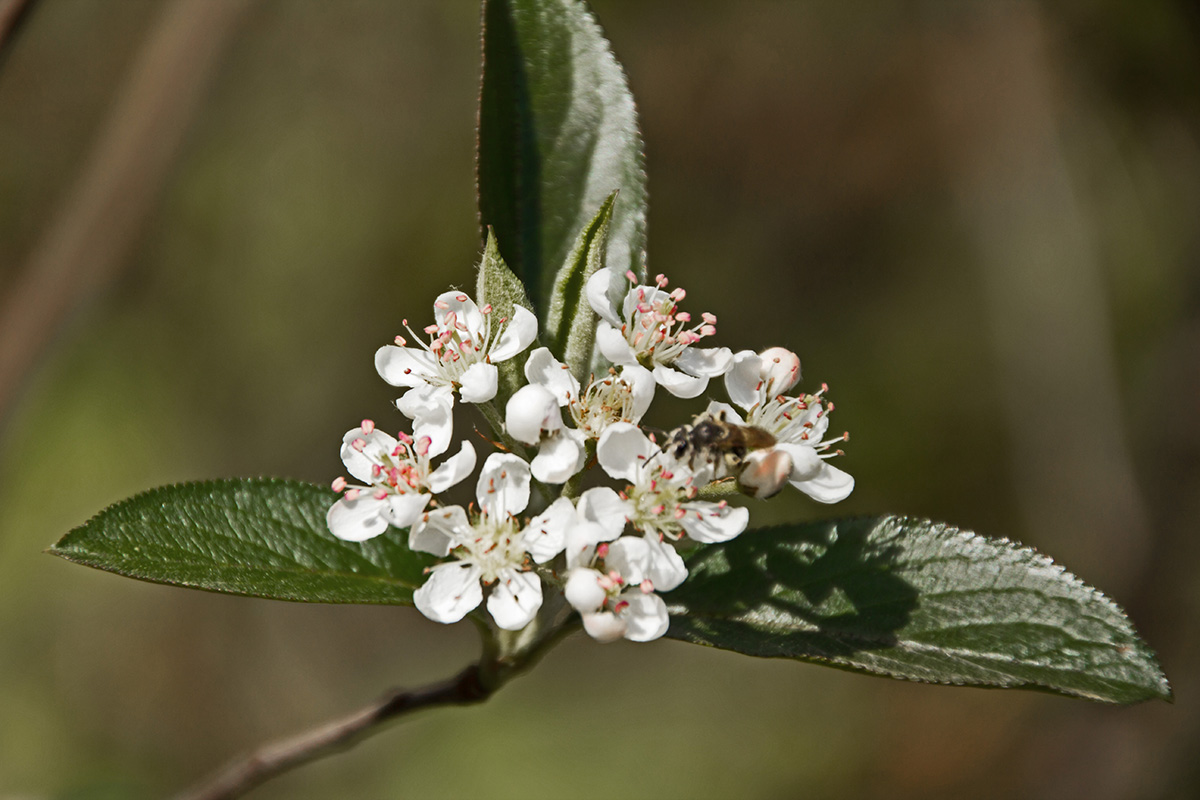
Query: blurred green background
x=976, y=221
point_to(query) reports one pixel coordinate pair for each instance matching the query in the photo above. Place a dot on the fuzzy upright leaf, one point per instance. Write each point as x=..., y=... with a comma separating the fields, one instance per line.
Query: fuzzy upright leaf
x=913, y=599
x=497, y=286
x=259, y=537
x=558, y=133
x=571, y=323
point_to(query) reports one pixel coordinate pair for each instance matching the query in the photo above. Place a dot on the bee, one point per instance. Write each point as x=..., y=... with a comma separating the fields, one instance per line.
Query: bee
x=713, y=440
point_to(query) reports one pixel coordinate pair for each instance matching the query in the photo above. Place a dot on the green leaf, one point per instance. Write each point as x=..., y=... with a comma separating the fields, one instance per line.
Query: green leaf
x=571, y=322
x=558, y=133
x=917, y=600
x=259, y=537
x=496, y=285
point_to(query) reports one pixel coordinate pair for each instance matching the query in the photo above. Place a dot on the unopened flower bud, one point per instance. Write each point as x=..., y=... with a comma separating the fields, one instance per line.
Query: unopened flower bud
x=583, y=590
x=765, y=473
x=780, y=369
x=604, y=626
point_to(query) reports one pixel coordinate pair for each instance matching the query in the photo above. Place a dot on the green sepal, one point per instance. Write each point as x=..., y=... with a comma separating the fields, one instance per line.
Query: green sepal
x=571, y=322
x=496, y=285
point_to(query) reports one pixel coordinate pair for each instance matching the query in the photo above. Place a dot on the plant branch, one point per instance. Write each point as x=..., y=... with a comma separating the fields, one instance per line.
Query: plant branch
x=243, y=774
x=13, y=14
x=87, y=242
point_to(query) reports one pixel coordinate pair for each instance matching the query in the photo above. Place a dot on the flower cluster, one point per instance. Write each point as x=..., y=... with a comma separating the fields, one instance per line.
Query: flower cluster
x=611, y=550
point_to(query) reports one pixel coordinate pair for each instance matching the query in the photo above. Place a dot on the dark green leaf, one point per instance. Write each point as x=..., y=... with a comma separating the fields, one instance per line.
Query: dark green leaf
x=571, y=323
x=558, y=133
x=918, y=600
x=260, y=537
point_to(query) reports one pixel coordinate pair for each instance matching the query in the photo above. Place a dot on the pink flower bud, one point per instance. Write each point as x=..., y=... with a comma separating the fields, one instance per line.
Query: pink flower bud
x=779, y=368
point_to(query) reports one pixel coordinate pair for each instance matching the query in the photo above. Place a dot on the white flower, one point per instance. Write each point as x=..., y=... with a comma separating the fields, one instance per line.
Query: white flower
x=465, y=344
x=799, y=424
x=615, y=595
x=661, y=492
x=487, y=548
x=398, y=477
x=617, y=397
x=532, y=416
x=652, y=332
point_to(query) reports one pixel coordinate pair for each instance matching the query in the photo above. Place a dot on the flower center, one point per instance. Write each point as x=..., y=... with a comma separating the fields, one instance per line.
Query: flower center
x=657, y=331
x=496, y=546
x=454, y=345
x=601, y=404
x=799, y=420
x=655, y=500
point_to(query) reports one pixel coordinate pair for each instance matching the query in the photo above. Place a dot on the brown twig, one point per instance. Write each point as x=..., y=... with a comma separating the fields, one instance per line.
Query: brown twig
x=242, y=775
x=12, y=14
x=87, y=242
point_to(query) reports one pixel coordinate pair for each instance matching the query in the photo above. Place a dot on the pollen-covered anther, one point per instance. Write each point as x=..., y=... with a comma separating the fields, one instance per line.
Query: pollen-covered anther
x=647, y=586
x=339, y=483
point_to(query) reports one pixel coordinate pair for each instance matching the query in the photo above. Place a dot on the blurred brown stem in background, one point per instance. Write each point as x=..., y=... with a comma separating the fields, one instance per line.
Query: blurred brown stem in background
x=1045, y=291
x=273, y=759
x=12, y=14
x=88, y=240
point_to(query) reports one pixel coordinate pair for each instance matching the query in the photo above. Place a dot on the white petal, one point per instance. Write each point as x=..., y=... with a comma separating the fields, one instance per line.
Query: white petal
x=360, y=462
x=667, y=569
x=724, y=411
x=404, y=509
x=404, y=366
x=612, y=344
x=641, y=382
x=531, y=410
x=705, y=363
x=431, y=410
x=604, y=626
x=582, y=539
x=711, y=522
x=503, y=486
x=646, y=616
x=453, y=470
x=680, y=384
x=559, y=457
x=519, y=333
x=622, y=450
x=545, y=370
x=546, y=534
x=357, y=520
x=439, y=531
x=478, y=383
x=806, y=464
x=605, y=507
x=829, y=485
x=630, y=557
x=515, y=599
x=451, y=592
x=467, y=316
x=743, y=377
x=583, y=590
x=597, y=295
x=424, y=400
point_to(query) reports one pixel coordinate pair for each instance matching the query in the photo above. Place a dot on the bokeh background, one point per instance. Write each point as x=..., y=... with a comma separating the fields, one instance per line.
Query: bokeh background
x=976, y=221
